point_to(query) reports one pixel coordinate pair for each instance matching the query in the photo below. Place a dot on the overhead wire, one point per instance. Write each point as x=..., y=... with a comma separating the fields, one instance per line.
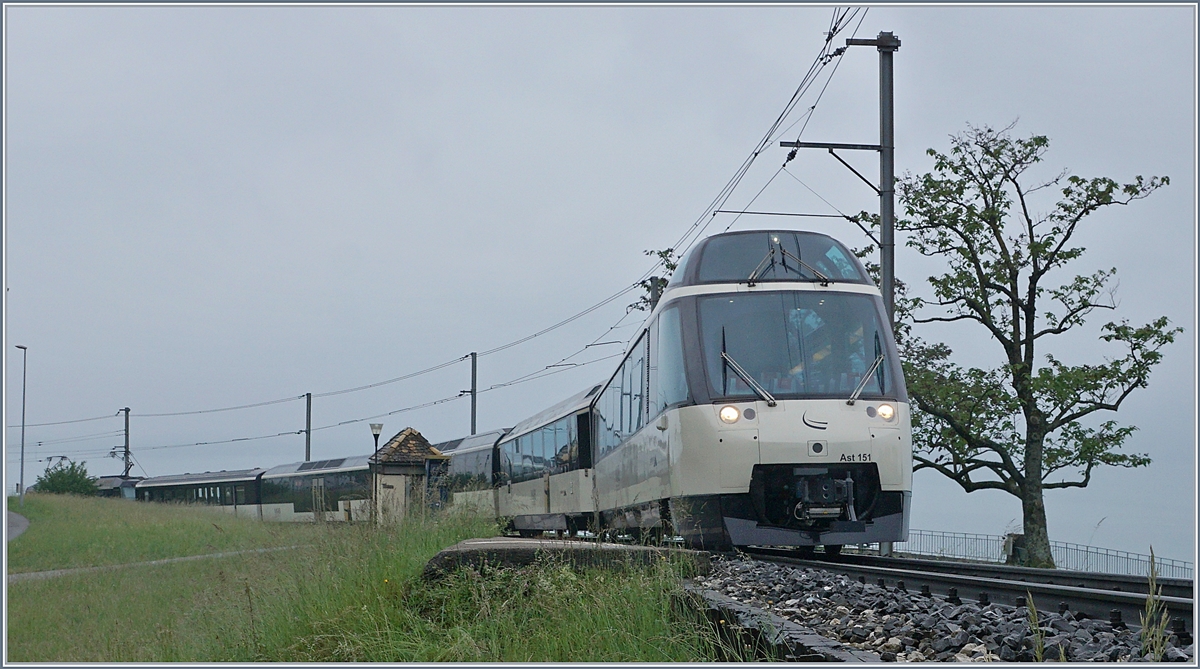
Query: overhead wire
x=139, y=464
x=233, y=408
x=823, y=58
x=398, y=378
x=561, y=323
x=221, y=441
x=549, y=370
x=852, y=219
x=65, y=422
x=90, y=437
x=391, y=413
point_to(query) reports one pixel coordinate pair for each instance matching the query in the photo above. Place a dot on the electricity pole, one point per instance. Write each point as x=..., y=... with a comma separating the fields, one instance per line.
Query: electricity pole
x=887, y=44
x=308, y=427
x=128, y=463
x=474, y=389
x=24, y=367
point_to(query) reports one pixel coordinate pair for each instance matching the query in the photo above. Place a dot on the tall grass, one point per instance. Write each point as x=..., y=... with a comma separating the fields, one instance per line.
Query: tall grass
x=67, y=531
x=353, y=593
x=1154, y=619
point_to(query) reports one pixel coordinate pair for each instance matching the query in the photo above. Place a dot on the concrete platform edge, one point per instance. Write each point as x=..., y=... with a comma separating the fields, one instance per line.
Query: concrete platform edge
x=511, y=552
x=803, y=644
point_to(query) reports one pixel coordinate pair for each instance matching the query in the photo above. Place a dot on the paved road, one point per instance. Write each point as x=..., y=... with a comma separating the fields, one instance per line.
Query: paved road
x=16, y=525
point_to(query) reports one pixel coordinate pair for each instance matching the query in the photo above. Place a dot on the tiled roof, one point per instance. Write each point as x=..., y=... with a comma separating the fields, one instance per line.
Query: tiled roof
x=408, y=447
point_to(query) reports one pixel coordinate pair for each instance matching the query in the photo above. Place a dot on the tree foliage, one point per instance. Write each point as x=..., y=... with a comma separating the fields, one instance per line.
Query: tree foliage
x=1026, y=425
x=64, y=477
x=654, y=285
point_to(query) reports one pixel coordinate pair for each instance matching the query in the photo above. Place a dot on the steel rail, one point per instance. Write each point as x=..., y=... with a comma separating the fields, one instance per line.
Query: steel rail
x=1115, y=606
x=1171, y=587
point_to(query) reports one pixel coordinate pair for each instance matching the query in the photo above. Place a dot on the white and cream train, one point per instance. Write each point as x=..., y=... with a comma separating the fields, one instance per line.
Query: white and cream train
x=762, y=403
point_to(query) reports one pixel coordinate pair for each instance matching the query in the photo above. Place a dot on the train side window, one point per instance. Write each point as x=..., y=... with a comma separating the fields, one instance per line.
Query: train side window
x=668, y=379
x=541, y=447
x=635, y=390
x=548, y=448
x=504, y=466
x=572, y=442
x=522, y=454
x=621, y=407
x=560, y=442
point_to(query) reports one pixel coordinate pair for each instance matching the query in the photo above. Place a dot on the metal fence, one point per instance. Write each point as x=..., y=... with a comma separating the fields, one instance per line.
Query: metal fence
x=1077, y=557
x=959, y=545
x=994, y=548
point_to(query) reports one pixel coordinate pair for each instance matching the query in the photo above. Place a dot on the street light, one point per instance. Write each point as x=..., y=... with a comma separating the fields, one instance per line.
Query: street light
x=24, y=366
x=376, y=428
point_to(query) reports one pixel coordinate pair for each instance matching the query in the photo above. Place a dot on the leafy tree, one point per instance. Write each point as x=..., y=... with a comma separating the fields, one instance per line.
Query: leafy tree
x=1018, y=427
x=655, y=284
x=67, y=478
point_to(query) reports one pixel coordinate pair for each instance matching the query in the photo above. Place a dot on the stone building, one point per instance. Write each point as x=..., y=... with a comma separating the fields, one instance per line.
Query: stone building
x=405, y=476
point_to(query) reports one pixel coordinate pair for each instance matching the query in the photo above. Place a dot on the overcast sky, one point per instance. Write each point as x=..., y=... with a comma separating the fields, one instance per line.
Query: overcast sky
x=216, y=206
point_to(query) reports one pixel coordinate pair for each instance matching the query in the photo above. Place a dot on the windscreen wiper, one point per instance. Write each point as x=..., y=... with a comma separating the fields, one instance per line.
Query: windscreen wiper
x=786, y=254
x=762, y=265
x=768, y=261
x=737, y=369
x=866, y=377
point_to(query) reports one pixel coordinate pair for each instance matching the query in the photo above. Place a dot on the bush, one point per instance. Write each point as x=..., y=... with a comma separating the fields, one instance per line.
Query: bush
x=67, y=478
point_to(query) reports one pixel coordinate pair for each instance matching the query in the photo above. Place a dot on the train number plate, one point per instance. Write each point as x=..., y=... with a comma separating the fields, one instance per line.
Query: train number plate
x=855, y=457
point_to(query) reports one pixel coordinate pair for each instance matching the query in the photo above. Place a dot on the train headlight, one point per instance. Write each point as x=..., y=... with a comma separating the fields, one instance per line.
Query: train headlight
x=730, y=414
x=886, y=411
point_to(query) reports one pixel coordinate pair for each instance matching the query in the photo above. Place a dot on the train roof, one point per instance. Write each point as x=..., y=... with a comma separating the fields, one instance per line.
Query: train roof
x=572, y=404
x=331, y=466
x=232, y=476
x=472, y=443
x=732, y=257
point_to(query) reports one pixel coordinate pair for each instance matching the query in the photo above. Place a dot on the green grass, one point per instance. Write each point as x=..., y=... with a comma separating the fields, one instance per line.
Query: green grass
x=353, y=593
x=67, y=531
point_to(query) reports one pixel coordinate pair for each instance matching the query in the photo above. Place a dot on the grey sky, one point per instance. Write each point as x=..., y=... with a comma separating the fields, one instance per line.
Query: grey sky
x=213, y=206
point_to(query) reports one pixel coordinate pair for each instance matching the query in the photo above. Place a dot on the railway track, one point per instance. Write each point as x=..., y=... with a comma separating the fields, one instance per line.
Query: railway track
x=1118, y=599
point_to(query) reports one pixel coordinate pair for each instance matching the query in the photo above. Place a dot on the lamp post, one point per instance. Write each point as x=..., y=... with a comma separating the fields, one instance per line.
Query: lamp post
x=24, y=365
x=376, y=428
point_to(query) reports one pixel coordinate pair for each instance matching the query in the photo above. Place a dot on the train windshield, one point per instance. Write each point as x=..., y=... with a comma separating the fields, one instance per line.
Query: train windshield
x=796, y=344
x=775, y=256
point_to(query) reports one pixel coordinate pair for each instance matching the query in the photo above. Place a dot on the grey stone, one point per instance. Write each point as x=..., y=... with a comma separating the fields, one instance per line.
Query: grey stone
x=1174, y=654
x=1062, y=625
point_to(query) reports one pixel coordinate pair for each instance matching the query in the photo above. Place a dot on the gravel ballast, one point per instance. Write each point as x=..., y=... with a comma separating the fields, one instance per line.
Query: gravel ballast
x=906, y=627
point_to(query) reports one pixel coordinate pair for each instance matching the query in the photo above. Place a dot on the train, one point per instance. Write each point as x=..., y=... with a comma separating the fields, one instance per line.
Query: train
x=335, y=489
x=761, y=402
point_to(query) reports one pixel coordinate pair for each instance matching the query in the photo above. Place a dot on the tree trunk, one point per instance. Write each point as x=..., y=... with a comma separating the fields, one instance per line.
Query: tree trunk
x=1037, y=537
x=1033, y=508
